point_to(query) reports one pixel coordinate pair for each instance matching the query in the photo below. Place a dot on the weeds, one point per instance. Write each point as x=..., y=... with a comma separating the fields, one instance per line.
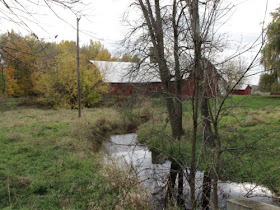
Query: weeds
x=250, y=130
x=131, y=192
x=48, y=160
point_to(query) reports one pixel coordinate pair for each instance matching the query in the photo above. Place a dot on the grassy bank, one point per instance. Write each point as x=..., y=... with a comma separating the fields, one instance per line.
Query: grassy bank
x=250, y=132
x=48, y=160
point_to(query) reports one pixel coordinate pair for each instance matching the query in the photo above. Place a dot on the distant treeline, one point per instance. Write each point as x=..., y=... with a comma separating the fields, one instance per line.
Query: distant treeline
x=47, y=70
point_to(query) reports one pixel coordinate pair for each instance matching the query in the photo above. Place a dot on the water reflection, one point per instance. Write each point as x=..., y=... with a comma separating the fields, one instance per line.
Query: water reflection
x=154, y=176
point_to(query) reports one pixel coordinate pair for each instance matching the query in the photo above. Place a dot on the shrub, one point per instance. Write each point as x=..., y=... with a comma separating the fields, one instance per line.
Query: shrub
x=58, y=87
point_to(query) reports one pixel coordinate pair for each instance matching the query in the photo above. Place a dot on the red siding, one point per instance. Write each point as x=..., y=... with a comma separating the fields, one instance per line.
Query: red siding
x=278, y=94
x=127, y=89
x=247, y=91
x=155, y=88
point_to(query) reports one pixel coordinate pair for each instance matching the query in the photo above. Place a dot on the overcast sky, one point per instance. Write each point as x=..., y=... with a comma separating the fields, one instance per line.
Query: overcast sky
x=245, y=20
x=103, y=22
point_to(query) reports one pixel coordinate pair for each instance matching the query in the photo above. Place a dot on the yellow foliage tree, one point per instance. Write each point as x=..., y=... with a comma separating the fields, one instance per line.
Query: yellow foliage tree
x=58, y=87
x=12, y=88
x=19, y=67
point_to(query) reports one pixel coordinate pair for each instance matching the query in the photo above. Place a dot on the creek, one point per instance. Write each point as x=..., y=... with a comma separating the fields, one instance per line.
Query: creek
x=128, y=151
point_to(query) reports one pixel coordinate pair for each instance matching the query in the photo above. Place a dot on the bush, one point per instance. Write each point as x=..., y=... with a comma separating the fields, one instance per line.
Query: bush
x=275, y=87
x=266, y=82
x=58, y=87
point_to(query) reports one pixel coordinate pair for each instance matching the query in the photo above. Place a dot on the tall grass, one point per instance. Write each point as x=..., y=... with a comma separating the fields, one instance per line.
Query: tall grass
x=250, y=137
x=49, y=160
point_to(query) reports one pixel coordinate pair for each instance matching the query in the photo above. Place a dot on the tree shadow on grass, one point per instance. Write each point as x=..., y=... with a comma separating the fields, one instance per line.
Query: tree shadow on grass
x=9, y=104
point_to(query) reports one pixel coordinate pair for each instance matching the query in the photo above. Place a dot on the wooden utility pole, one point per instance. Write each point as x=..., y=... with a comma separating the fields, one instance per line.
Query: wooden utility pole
x=3, y=76
x=78, y=69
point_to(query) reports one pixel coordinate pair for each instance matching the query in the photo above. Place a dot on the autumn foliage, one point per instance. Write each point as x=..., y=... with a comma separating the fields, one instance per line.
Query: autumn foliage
x=47, y=71
x=19, y=67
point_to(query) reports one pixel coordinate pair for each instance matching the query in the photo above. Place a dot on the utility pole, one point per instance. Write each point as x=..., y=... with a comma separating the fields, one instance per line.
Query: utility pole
x=3, y=76
x=78, y=69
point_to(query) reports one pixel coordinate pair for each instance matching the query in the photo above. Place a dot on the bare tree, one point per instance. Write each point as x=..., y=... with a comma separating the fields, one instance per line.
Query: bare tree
x=25, y=15
x=154, y=20
x=177, y=32
x=233, y=70
x=183, y=36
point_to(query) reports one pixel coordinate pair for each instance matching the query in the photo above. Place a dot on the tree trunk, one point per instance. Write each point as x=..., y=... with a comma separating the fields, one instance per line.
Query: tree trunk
x=216, y=168
x=180, y=196
x=193, y=166
x=170, y=194
x=206, y=189
x=198, y=75
x=173, y=102
x=208, y=140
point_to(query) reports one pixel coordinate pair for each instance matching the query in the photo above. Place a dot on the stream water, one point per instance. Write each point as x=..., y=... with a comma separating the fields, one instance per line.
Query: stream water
x=154, y=176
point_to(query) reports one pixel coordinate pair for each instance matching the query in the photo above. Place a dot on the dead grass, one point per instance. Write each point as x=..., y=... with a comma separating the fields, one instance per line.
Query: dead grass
x=252, y=120
x=49, y=154
x=263, y=116
x=132, y=195
x=18, y=182
x=95, y=127
x=16, y=137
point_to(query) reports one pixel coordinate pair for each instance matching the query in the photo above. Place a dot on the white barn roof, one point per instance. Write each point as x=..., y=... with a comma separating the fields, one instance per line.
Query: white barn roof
x=243, y=87
x=125, y=72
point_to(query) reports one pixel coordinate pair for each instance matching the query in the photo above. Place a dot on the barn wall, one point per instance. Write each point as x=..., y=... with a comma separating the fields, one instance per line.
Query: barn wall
x=247, y=91
x=278, y=94
x=155, y=88
x=127, y=89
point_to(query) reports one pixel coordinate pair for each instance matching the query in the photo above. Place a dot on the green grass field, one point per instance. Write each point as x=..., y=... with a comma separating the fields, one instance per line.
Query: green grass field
x=48, y=160
x=253, y=128
x=250, y=132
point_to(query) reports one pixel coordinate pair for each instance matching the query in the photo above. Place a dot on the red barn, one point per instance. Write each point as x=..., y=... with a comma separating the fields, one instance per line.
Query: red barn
x=244, y=90
x=126, y=78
